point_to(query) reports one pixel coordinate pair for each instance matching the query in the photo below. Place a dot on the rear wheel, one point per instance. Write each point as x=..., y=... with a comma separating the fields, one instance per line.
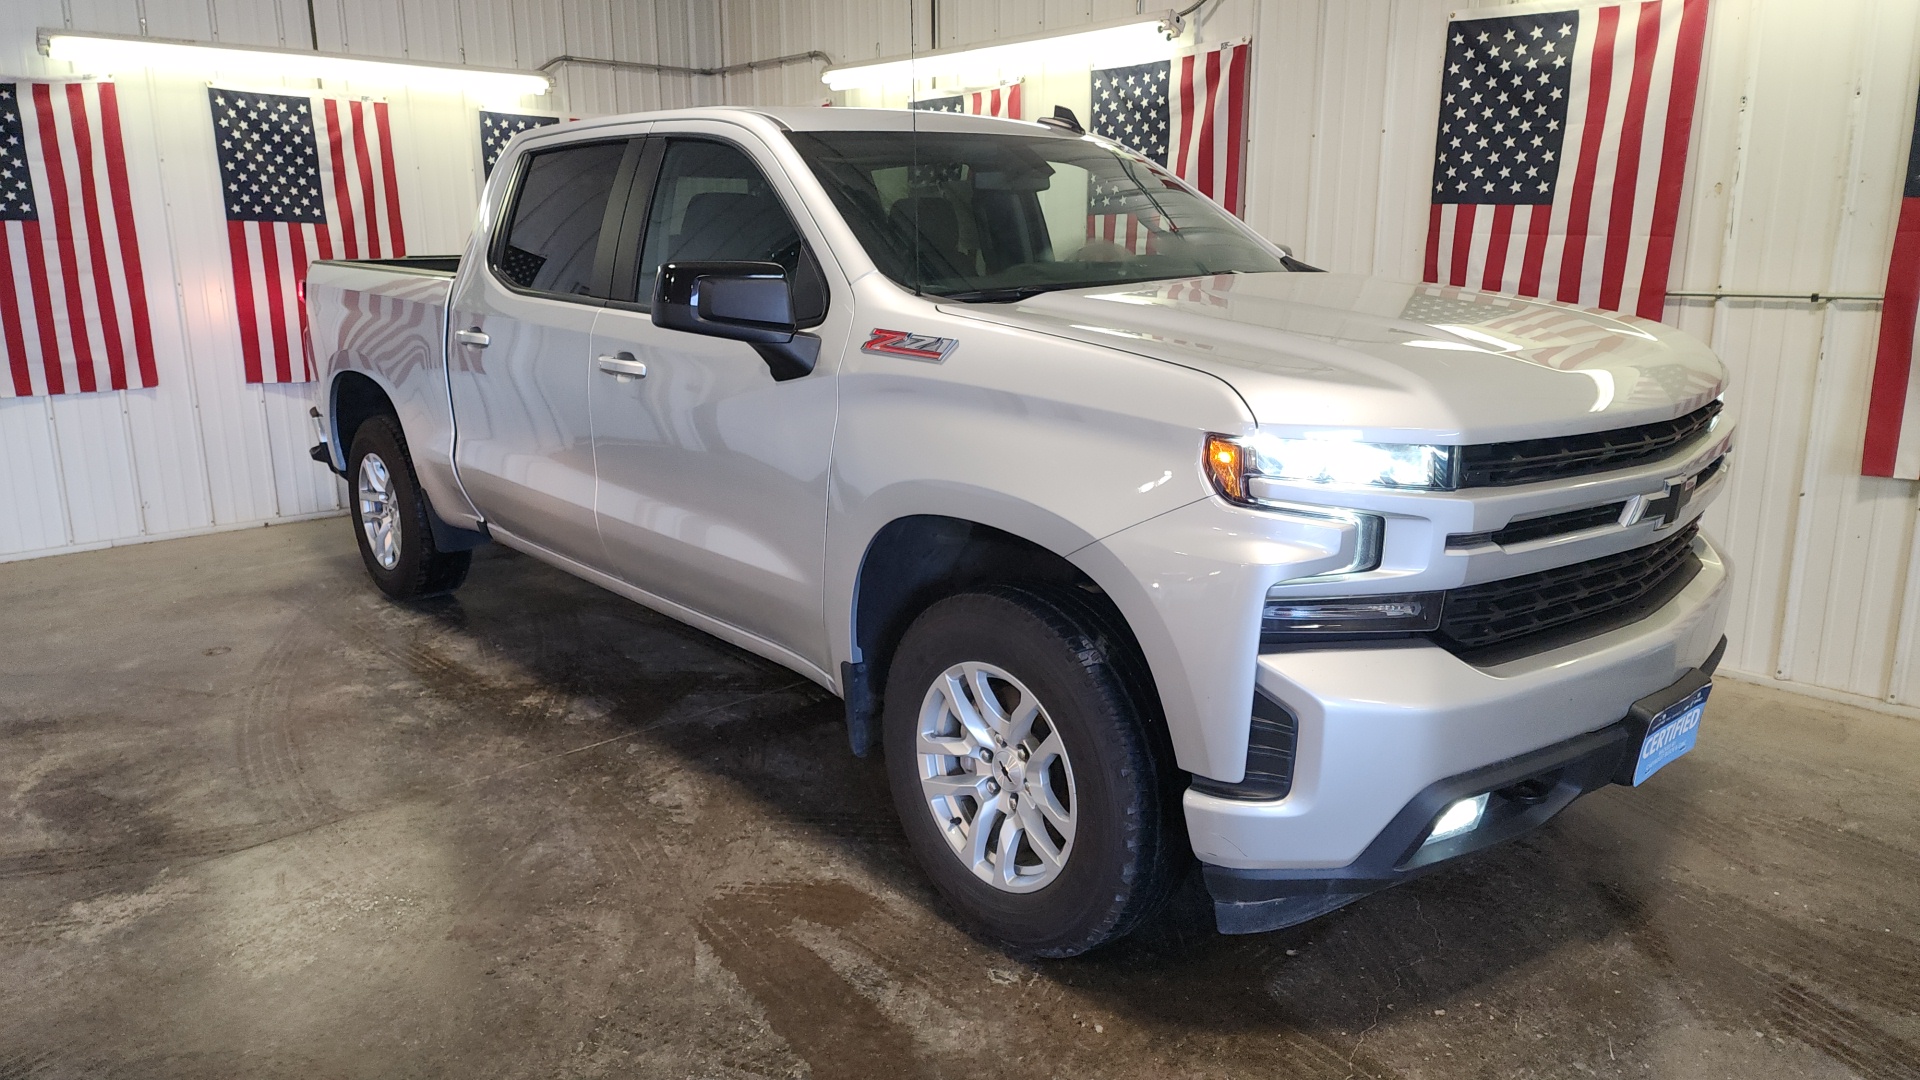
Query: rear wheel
x=390, y=517
x=1021, y=766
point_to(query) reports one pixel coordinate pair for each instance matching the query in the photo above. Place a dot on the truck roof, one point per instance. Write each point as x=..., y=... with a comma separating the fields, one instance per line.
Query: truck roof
x=822, y=118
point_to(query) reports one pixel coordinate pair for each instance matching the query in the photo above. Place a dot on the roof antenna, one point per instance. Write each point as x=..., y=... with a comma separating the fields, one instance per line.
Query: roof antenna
x=1064, y=119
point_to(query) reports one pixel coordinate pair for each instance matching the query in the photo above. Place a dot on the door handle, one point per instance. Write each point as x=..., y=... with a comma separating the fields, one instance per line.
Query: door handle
x=473, y=337
x=623, y=367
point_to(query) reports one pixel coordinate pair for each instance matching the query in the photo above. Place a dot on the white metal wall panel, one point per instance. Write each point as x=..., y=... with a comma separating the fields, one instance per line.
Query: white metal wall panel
x=35, y=512
x=1794, y=173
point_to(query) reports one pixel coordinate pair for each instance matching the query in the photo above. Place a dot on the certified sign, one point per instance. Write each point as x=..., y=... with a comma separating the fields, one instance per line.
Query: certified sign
x=1671, y=734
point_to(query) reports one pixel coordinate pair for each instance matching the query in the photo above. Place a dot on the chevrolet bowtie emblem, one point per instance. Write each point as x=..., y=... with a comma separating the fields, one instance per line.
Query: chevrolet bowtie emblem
x=1666, y=507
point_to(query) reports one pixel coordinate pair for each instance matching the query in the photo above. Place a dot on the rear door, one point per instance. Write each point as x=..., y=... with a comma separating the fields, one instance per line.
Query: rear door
x=519, y=361
x=713, y=476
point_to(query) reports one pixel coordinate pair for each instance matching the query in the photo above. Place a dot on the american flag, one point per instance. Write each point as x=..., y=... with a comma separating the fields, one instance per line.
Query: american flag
x=1893, y=436
x=1188, y=114
x=73, y=299
x=1560, y=152
x=303, y=178
x=497, y=129
x=1002, y=101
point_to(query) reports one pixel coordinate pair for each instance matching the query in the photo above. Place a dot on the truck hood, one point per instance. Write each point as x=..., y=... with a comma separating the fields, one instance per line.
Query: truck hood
x=1396, y=362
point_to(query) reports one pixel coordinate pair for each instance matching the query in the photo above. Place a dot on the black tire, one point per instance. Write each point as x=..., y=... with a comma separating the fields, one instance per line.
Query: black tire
x=420, y=569
x=1126, y=852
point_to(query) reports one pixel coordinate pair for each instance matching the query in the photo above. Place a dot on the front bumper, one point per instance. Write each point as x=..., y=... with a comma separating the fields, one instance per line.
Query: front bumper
x=1380, y=729
x=1524, y=793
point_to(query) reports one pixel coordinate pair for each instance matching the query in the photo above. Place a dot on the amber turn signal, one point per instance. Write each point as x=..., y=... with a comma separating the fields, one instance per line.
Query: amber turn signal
x=1225, y=464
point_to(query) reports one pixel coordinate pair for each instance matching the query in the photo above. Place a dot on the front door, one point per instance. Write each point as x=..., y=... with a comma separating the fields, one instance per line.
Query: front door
x=519, y=361
x=712, y=476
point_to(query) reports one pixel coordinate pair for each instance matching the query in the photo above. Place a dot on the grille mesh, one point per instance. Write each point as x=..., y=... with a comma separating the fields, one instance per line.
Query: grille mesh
x=1529, y=460
x=1498, y=612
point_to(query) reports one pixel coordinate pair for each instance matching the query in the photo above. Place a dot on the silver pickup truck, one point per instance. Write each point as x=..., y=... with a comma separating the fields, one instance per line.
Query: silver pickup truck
x=1130, y=539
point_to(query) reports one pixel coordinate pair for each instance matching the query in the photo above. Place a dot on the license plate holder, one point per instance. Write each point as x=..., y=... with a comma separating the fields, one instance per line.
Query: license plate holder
x=1672, y=732
x=1664, y=726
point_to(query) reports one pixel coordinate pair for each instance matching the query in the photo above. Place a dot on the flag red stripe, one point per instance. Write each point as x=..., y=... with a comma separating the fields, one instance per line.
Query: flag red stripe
x=1433, y=244
x=15, y=337
x=1183, y=129
x=297, y=238
x=1209, y=182
x=349, y=236
x=1893, y=362
x=1626, y=176
x=95, y=236
x=363, y=170
x=276, y=299
x=1536, y=255
x=44, y=322
x=243, y=305
x=121, y=193
x=1496, y=270
x=1673, y=159
x=63, y=241
x=396, y=236
x=1013, y=103
x=1599, y=83
x=1462, y=242
x=1236, y=127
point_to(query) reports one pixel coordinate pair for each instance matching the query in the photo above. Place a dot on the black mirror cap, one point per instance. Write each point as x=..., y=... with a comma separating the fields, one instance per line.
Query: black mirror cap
x=739, y=301
x=744, y=301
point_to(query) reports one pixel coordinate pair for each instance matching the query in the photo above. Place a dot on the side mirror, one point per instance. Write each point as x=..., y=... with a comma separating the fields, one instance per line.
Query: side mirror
x=739, y=301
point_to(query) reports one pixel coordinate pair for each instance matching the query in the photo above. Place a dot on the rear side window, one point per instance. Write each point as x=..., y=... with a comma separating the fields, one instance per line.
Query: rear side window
x=554, y=232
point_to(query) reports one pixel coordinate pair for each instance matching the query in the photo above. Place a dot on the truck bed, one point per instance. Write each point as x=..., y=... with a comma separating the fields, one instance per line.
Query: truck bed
x=387, y=319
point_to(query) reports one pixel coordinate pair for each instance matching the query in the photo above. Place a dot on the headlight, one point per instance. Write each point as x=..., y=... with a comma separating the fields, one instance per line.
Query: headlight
x=1232, y=463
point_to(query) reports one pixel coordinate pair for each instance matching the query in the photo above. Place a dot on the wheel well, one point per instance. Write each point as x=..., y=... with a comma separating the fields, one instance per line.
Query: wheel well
x=915, y=561
x=356, y=399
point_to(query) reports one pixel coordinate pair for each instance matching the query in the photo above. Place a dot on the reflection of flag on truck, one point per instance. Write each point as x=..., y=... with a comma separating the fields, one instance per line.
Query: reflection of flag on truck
x=1893, y=438
x=1120, y=213
x=303, y=178
x=1002, y=101
x=1188, y=114
x=73, y=301
x=1561, y=147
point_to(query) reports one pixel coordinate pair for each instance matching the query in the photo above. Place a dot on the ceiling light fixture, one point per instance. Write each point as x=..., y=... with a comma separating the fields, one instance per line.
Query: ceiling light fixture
x=107, y=54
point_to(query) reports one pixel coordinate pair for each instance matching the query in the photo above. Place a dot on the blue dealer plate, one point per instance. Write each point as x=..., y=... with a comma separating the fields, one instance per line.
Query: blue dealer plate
x=1671, y=734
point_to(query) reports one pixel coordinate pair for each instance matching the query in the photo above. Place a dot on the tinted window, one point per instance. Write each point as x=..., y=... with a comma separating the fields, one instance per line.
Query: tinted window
x=711, y=202
x=555, y=231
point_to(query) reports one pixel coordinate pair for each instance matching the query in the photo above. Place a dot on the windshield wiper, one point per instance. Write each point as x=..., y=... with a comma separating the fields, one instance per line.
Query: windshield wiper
x=1007, y=294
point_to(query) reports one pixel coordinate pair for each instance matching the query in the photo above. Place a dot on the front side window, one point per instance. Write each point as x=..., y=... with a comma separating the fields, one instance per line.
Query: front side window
x=712, y=203
x=990, y=216
x=554, y=232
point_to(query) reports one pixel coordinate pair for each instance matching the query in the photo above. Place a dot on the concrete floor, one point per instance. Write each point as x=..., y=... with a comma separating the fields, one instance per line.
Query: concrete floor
x=261, y=822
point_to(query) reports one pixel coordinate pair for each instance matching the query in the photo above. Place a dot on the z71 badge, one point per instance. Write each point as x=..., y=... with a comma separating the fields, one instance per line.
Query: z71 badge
x=912, y=346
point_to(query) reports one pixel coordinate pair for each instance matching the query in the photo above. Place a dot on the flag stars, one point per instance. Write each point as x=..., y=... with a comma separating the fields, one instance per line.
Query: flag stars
x=1502, y=109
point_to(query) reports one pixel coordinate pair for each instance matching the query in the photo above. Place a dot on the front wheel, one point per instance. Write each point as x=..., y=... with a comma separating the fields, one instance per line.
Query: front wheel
x=1023, y=771
x=390, y=517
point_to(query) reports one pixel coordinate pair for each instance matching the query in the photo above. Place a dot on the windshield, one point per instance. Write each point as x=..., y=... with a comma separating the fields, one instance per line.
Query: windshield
x=992, y=216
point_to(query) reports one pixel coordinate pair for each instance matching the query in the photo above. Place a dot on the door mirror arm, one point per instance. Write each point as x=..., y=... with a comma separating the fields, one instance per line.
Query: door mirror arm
x=739, y=301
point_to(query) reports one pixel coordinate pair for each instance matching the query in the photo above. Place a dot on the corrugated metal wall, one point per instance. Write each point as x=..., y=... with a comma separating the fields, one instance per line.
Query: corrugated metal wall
x=1796, y=166
x=203, y=450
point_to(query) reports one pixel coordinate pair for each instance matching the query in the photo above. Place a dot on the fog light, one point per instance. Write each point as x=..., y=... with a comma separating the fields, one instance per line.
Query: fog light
x=1463, y=816
x=1285, y=617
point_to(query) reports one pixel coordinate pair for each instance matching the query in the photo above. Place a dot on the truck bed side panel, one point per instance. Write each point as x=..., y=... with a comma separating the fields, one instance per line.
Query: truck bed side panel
x=390, y=324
